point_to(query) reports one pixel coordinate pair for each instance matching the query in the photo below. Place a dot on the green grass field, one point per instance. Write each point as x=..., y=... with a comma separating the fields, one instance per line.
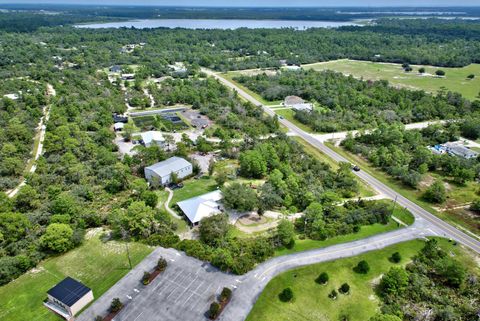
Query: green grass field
x=311, y=300
x=365, y=231
x=98, y=265
x=193, y=187
x=454, y=80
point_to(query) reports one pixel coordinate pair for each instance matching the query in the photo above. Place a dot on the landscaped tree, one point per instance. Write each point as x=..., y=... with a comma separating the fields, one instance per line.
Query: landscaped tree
x=116, y=305
x=150, y=198
x=344, y=288
x=286, y=295
x=286, y=233
x=440, y=73
x=436, y=193
x=225, y=295
x=322, y=278
x=362, y=267
x=396, y=257
x=394, y=281
x=146, y=278
x=213, y=229
x=214, y=310
x=333, y=295
x=221, y=177
x=239, y=197
x=57, y=238
x=161, y=264
x=421, y=70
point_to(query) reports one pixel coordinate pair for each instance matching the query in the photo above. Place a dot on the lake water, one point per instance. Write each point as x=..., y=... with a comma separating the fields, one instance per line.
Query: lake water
x=216, y=24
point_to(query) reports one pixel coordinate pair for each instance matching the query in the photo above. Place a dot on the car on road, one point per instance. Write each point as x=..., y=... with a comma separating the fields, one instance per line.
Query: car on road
x=281, y=117
x=356, y=168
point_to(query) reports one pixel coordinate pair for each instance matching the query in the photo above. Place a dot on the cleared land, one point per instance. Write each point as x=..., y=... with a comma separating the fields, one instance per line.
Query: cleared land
x=97, y=264
x=311, y=299
x=454, y=80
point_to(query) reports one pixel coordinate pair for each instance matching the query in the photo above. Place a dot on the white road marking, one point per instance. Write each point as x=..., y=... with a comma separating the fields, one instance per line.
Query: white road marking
x=138, y=316
x=129, y=297
x=136, y=290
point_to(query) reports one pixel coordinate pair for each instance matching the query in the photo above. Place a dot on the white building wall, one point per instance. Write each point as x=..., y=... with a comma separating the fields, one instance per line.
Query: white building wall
x=80, y=304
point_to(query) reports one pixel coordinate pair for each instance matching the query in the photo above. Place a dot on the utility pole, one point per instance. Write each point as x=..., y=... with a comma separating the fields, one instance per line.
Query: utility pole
x=125, y=239
x=394, y=204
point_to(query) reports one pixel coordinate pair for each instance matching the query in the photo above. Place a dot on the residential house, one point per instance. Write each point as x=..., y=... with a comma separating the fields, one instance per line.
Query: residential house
x=120, y=118
x=160, y=174
x=197, y=208
x=297, y=103
x=68, y=297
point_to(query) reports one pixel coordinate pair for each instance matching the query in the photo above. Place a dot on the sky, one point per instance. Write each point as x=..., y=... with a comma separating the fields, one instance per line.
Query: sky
x=264, y=3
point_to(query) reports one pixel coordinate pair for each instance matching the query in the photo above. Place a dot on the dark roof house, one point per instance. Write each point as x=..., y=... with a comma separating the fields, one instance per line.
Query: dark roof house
x=68, y=297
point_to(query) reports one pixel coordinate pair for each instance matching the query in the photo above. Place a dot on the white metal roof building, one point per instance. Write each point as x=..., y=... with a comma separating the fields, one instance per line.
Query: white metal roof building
x=160, y=173
x=201, y=206
x=152, y=138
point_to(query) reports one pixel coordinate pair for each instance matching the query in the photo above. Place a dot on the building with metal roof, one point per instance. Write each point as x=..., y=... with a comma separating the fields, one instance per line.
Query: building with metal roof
x=161, y=173
x=197, y=208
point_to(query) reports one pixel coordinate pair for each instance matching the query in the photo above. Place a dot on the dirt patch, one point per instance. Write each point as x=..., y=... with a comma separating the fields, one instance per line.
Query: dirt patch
x=93, y=232
x=426, y=181
x=255, y=72
x=251, y=219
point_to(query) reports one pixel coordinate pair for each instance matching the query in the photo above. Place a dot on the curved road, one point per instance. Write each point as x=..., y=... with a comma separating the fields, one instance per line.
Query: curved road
x=435, y=224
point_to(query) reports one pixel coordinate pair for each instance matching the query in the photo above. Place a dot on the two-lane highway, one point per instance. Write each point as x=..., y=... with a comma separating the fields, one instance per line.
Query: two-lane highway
x=428, y=220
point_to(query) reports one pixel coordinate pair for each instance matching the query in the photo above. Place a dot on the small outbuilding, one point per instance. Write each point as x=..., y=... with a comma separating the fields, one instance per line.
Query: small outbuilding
x=151, y=138
x=197, y=208
x=160, y=174
x=68, y=297
x=117, y=118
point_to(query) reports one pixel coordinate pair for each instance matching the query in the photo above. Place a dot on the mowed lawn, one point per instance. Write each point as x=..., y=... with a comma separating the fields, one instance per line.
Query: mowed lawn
x=311, y=300
x=192, y=188
x=454, y=80
x=98, y=265
x=365, y=231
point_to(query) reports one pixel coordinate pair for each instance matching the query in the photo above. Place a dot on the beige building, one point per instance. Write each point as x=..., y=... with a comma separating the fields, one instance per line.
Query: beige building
x=68, y=297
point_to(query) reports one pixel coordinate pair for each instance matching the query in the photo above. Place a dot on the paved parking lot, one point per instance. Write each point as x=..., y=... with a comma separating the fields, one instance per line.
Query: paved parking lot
x=183, y=291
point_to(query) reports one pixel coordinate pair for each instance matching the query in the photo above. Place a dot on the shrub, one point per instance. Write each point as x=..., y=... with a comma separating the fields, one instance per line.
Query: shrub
x=146, y=278
x=116, y=305
x=214, y=310
x=333, y=295
x=421, y=70
x=344, y=289
x=161, y=264
x=98, y=318
x=471, y=76
x=396, y=257
x=322, y=278
x=440, y=72
x=362, y=267
x=225, y=295
x=394, y=281
x=286, y=295
x=436, y=193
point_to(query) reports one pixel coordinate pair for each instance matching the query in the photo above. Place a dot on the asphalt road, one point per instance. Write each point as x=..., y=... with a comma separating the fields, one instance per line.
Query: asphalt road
x=442, y=228
x=188, y=286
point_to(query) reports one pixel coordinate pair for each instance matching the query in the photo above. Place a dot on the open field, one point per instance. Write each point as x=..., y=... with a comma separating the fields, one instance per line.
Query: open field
x=311, y=299
x=454, y=80
x=98, y=265
x=456, y=194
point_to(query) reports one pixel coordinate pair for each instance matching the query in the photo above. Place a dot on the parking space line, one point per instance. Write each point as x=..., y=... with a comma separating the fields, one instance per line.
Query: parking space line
x=138, y=316
x=186, y=289
x=192, y=293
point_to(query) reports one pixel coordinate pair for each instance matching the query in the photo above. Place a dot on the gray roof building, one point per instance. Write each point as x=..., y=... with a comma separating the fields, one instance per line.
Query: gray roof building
x=160, y=173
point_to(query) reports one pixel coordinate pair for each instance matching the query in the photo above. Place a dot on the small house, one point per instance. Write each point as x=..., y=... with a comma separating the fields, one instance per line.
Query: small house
x=116, y=69
x=197, y=208
x=128, y=76
x=118, y=127
x=460, y=151
x=151, y=138
x=160, y=174
x=68, y=297
x=297, y=103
